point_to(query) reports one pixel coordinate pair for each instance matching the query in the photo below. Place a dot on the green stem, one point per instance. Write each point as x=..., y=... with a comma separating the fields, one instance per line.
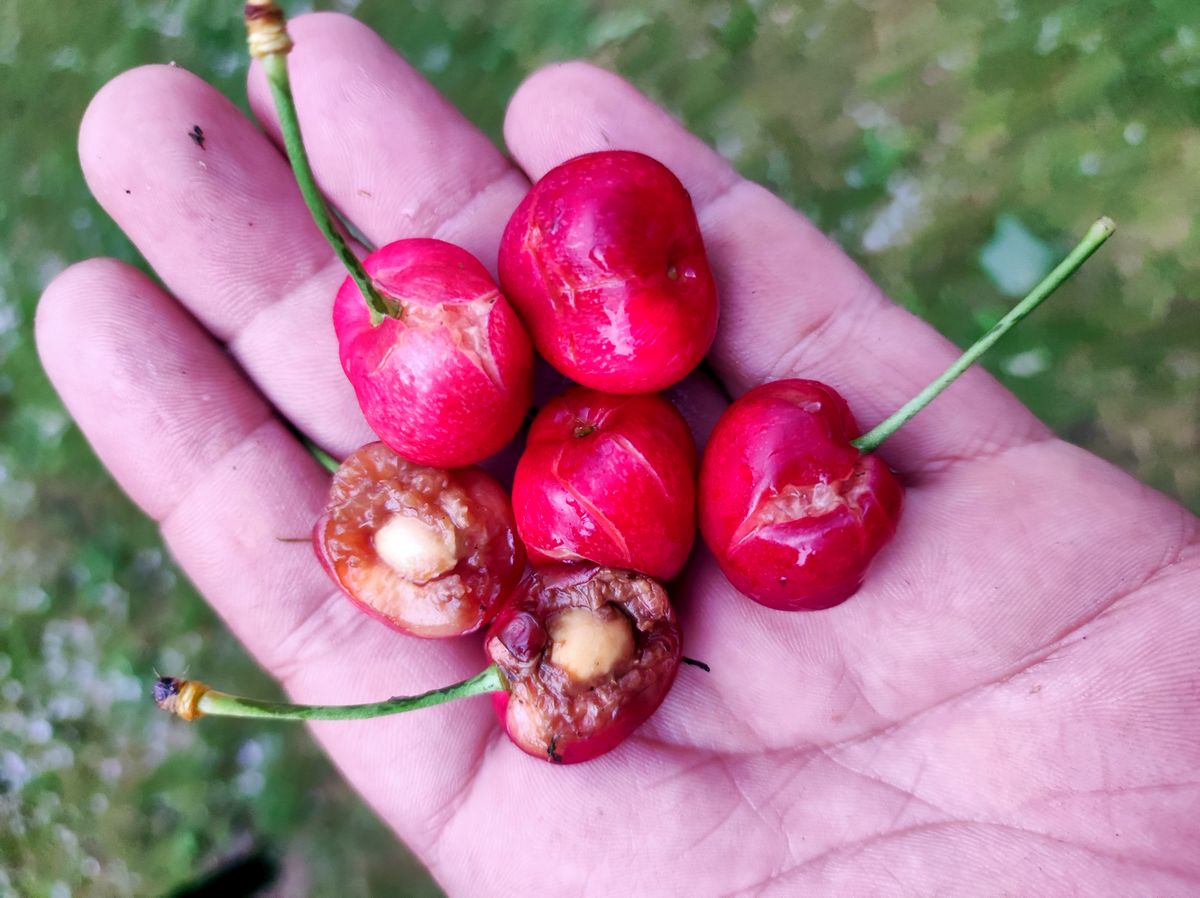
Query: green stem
x=1096, y=235
x=327, y=461
x=275, y=65
x=207, y=702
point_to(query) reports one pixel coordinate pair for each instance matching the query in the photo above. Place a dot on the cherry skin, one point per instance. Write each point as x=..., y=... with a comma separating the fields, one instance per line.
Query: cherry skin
x=447, y=379
x=792, y=512
x=428, y=551
x=608, y=479
x=588, y=652
x=604, y=260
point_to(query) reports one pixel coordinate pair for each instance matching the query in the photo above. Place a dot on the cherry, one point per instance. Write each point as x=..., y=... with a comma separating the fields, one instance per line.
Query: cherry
x=588, y=652
x=581, y=656
x=441, y=365
x=428, y=551
x=446, y=377
x=604, y=261
x=608, y=479
x=793, y=505
x=792, y=511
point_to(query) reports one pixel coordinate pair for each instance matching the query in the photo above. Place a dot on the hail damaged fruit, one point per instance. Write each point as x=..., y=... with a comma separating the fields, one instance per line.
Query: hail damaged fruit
x=791, y=510
x=431, y=552
x=605, y=262
x=446, y=378
x=608, y=479
x=588, y=652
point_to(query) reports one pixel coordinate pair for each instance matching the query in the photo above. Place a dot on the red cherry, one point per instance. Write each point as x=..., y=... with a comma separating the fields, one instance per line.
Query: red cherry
x=608, y=479
x=605, y=263
x=447, y=379
x=792, y=512
x=428, y=551
x=588, y=653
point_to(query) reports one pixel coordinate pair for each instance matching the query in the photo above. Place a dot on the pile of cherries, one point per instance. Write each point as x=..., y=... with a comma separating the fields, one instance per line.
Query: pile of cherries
x=605, y=266
x=602, y=271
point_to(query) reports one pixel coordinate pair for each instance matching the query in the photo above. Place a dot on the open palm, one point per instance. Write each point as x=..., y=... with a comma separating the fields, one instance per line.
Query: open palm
x=1010, y=705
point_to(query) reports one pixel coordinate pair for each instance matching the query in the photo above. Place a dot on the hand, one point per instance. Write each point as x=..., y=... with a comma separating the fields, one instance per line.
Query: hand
x=1010, y=705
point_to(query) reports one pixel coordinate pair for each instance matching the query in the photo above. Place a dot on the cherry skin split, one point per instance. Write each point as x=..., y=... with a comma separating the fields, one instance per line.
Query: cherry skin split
x=792, y=512
x=793, y=504
x=430, y=552
x=445, y=379
x=605, y=262
x=588, y=652
x=608, y=479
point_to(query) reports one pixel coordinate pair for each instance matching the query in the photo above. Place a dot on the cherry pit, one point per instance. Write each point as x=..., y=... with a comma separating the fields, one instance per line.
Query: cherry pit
x=603, y=271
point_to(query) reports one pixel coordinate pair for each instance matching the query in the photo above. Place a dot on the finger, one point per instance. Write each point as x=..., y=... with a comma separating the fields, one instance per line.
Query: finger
x=387, y=149
x=223, y=224
x=194, y=444
x=792, y=304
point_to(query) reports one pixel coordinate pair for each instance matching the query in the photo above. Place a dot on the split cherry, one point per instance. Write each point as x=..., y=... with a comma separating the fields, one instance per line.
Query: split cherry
x=793, y=505
x=582, y=656
x=428, y=551
x=446, y=377
x=604, y=261
x=440, y=363
x=608, y=479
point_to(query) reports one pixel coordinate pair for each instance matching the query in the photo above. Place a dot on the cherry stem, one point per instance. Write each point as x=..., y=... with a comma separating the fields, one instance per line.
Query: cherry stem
x=270, y=43
x=1096, y=235
x=190, y=699
x=327, y=461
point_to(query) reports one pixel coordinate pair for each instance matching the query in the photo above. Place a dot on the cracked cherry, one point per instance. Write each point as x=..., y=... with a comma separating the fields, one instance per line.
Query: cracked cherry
x=605, y=262
x=793, y=504
x=444, y=378
x=588, y=653
x=608, y=479
x=430, y=552
x=791, y=510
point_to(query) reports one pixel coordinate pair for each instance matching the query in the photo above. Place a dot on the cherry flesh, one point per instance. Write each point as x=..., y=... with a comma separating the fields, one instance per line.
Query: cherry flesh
x=445, y=380
x=588, y=652
x=428, y=551
x=604, y=260
x=791, y=510
x=608, y=479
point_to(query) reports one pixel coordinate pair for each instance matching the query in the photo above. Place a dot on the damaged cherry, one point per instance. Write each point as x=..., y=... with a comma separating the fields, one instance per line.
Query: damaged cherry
x=582, y=655
x=605, y=262
x=428, y=551
x=446, y=377
x=792, y=511
x=588, y=652
x=608, y=479
x=793, y=504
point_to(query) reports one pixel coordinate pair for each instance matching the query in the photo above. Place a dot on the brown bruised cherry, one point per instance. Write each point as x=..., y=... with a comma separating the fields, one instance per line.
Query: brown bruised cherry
x=588, y=652
x=428, y=551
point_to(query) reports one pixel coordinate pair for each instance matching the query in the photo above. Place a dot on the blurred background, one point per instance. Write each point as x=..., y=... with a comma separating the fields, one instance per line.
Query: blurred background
x=955, y=149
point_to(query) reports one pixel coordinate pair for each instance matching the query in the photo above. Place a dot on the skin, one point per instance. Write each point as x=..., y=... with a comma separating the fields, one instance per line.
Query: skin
x=1011, y=704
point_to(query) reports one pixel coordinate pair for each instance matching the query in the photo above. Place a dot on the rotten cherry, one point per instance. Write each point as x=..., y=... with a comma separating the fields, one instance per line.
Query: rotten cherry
x=588, y=654
x=431, y=552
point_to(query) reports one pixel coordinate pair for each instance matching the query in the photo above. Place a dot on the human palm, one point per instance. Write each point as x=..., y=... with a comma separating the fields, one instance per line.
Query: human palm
x=1009, y=705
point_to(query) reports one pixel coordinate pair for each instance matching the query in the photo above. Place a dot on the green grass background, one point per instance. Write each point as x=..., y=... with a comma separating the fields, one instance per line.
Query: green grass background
x=956, y=149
